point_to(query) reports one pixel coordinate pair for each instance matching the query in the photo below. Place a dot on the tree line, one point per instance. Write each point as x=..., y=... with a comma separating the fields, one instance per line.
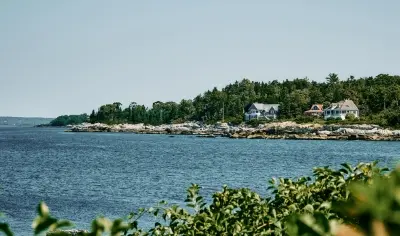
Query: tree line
x=376, y=97
x=65, y=120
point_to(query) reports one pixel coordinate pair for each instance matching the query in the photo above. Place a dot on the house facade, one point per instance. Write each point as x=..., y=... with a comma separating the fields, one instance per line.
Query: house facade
x=263, y=111
x=341, y=109
x=315, y=110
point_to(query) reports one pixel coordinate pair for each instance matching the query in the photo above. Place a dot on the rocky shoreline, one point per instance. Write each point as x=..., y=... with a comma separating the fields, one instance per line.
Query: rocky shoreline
x=275, y=130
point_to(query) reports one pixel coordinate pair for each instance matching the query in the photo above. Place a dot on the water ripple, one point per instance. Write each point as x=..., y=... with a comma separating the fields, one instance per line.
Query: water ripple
x=83, y=175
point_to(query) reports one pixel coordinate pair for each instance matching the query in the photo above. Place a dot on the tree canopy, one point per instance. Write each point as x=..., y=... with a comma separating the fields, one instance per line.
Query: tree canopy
x=376, y=97
x=65, y=120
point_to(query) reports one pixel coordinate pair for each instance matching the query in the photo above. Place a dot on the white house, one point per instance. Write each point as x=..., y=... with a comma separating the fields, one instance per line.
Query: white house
x=341, y=109
x=260, y=110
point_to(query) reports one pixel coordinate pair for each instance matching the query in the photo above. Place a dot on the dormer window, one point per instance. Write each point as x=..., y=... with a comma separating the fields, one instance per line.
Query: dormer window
x=271, y=111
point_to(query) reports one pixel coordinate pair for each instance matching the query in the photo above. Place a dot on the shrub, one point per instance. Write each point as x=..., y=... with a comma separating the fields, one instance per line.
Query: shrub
x=351, y=117
x=332, y=120
x=363, y=197
x=178, y=121
x=392, y=117
x=304, y=119
x=234, y=120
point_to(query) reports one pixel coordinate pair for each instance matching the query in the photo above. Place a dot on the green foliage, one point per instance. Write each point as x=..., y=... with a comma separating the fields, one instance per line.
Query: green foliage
x=379, y=201
x=363, y=199
x=69, y=120
x=311, y=224
x=234, y=120
x=44, y=221
x=307, y=119
x=374, y=96
x=351, y=117
x=5, y=229
x=392, y=117
x=332, y=120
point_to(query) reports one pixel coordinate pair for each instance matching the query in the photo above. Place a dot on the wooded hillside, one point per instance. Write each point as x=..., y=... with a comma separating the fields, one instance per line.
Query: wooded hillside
x=376, y=97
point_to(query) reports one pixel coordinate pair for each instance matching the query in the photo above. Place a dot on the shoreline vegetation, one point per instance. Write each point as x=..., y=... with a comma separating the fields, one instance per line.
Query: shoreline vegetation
x=377, y=99
x=273, y=130
x=356, y=200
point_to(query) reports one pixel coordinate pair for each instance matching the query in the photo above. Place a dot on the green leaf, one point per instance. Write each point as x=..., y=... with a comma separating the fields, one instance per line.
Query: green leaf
x=155, y=213
x=308, y=208
x=347, y=166
x=43, y=210
x=42, y=224
x=292, y=207
x=274, y=213
x=6, y=229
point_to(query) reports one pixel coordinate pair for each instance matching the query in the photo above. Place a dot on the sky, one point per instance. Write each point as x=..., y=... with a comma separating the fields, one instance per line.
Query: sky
x=69, y=57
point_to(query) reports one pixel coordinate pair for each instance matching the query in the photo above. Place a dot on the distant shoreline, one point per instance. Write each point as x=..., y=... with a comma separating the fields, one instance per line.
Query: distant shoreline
x=50, y=126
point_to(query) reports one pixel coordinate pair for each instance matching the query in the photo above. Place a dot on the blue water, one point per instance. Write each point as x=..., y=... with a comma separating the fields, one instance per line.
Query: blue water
x=84, y=175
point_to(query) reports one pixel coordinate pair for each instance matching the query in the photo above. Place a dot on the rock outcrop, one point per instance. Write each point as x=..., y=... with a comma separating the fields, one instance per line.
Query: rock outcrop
x=291, y=130
x=274, y=130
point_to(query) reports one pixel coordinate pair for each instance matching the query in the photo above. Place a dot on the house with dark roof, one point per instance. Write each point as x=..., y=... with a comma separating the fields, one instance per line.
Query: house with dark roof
x=260, y=110
x=315, y=110
x=341, y=109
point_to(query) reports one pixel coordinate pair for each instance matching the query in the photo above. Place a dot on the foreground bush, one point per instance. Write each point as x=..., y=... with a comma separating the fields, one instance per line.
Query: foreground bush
x=361, y=200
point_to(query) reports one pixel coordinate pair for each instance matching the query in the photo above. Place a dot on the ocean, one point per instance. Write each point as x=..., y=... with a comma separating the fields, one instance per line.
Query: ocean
x=84, y=175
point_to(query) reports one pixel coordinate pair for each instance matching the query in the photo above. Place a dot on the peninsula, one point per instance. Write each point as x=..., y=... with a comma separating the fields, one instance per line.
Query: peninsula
x=364, y=108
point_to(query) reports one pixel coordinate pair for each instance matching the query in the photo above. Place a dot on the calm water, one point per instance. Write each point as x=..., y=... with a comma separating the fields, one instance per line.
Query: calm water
x=84, y=175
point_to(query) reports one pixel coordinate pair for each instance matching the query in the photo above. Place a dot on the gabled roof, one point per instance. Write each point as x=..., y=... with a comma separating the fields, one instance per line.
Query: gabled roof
x=346, y=105
x=320, y=108
x=265, y=107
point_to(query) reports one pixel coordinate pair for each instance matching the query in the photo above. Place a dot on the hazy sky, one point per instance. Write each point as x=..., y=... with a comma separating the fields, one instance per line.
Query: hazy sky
x=68, y=57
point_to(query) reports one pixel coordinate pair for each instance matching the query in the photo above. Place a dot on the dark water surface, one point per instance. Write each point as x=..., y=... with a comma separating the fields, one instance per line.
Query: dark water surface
x=84, y=175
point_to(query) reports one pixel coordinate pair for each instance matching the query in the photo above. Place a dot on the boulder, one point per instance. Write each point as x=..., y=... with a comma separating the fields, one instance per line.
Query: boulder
x=324, y=132
x=256, y=136
x=396, y=132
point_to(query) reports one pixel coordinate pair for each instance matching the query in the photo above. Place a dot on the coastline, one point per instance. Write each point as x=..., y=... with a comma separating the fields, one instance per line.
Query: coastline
x=274, y=130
